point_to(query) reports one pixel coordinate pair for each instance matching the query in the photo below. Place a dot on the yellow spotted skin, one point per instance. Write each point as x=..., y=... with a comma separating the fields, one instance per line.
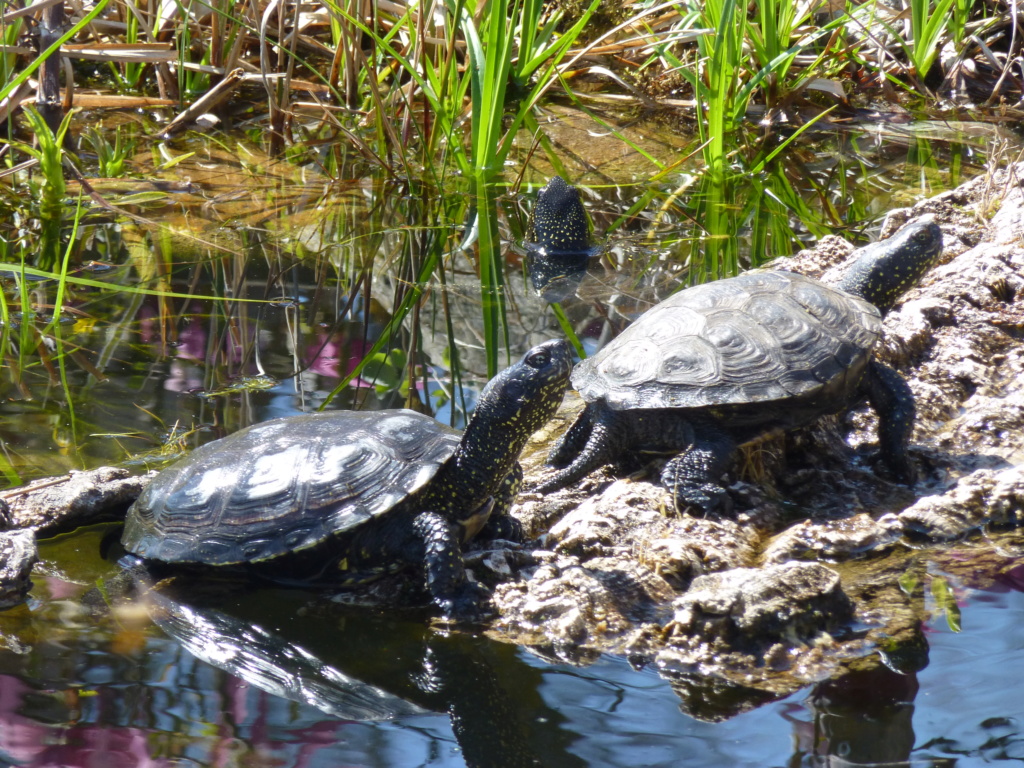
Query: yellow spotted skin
x=559, y=223
x=884, y=271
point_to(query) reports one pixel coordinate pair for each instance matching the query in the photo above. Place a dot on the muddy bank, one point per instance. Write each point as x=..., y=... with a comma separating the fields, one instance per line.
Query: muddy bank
x=826, y=563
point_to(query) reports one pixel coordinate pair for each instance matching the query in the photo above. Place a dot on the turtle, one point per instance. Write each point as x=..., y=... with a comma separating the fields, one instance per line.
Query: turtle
x=723, y=364
x=337, y=498
x=558, y=245
x=559, y=222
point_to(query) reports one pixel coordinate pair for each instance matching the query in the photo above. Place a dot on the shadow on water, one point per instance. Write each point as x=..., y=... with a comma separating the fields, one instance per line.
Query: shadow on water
x=257, y=672
x=290, y=677
x=356, y=666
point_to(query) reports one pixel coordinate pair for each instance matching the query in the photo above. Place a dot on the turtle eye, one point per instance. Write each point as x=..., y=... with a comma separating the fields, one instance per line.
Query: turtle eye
x=923, y=236
x=538, y=359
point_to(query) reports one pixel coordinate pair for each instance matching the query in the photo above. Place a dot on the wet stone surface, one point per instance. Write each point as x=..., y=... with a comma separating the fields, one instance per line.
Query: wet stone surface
x=79, y=498
x=838, y=539
x=981, y=498
x=17, y=556
x=748, y=608
x=53, y=505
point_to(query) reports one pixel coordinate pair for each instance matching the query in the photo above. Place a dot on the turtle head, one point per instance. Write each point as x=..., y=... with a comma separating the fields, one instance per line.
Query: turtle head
x=882, y=272
x=524, y=396
x=559, y=223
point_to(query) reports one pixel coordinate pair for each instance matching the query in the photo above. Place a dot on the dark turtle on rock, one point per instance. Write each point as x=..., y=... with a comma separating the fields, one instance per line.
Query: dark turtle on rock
x=719, y=365
x=335, y=498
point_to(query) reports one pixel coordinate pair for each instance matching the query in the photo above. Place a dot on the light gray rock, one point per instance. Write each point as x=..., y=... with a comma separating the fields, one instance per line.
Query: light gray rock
x=755, y=607
x=17, y=556
x=984, y=496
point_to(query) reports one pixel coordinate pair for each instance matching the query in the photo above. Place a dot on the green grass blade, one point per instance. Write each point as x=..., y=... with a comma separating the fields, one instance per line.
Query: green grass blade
x=568, y=330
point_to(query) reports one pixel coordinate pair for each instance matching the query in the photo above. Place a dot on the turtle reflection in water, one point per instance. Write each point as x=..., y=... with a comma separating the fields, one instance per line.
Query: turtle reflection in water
x=336, y=498
x=325, y=663
x=723, y=364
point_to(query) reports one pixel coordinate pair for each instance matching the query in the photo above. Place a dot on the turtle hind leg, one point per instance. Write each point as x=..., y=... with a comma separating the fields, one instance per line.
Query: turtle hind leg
x=694, y=475
x=893, y=401
x=440, y=552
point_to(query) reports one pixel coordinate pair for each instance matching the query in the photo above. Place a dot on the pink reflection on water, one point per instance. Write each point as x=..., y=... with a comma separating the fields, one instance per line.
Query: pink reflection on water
x=41, y=746
x=336, y=355
x=32, y=744
x=192, y=352
x=58, y=589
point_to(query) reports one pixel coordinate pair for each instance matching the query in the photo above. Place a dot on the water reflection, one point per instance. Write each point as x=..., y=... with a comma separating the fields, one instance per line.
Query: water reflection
x=556, y=277
x=272, y=676
x=358, y=666
x=78, y=691
x=864, y=718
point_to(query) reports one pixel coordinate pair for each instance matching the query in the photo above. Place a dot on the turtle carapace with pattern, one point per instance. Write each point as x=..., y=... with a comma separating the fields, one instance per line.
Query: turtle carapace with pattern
x=337, y=498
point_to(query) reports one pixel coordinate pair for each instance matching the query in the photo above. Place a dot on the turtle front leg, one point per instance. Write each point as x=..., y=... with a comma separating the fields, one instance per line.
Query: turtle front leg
x=456, y=596
x=893, y=401
x=593, y=439
x=694, y=476
x=573, y=441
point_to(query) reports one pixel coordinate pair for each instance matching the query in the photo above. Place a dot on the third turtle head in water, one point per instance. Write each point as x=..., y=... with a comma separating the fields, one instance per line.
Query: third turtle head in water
x=559, y=223
x=558, y=241
x=720, y=365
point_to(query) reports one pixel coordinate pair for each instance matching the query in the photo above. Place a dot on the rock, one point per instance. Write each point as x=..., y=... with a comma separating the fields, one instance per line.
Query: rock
x=632, y=520
x=17, y=556
x=564, y=604
x=79, y=498
x=834, y=540
x=984, y=496
x=759, y=607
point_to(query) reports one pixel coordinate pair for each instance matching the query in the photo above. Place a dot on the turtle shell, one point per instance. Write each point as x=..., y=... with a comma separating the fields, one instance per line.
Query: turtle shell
x=285, y=485
x=760, y=337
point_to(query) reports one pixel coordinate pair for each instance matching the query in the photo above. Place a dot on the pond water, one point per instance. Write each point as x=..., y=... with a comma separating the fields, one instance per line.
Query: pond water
x=273, y=286
x=81, y=691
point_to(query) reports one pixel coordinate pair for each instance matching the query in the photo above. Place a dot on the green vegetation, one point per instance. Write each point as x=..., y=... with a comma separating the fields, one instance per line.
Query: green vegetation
x=382, y=146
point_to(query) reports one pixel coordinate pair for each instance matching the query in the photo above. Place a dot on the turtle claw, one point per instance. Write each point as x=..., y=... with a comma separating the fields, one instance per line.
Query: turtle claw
x=900, y=470
x=708, y=499
x=470, y=605
x=690, y=477
x=504, y=527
